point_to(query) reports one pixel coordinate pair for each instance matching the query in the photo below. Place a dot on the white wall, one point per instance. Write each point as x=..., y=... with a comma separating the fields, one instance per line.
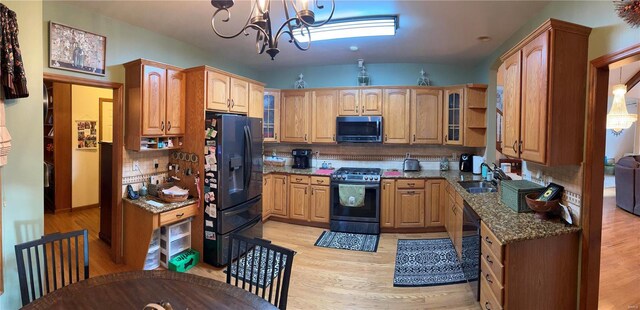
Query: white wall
x=622, y=144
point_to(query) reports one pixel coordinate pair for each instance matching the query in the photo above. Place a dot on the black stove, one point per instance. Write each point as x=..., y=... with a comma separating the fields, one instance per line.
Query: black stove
x=357, y=175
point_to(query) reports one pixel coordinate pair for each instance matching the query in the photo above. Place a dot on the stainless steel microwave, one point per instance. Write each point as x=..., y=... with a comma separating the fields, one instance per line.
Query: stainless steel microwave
x=359, y=129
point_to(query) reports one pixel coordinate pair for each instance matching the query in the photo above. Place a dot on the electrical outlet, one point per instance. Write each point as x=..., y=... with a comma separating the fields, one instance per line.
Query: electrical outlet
x=136, y=165
x=155, y=163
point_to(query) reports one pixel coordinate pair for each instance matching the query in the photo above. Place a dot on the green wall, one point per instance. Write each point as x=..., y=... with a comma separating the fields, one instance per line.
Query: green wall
x=126, y=42
x=609, y=34
x=386, y=74
x=22, y=177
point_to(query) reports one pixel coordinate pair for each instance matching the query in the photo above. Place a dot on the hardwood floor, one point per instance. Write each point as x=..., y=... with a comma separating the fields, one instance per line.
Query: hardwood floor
x=321, y=279
x=620, y=257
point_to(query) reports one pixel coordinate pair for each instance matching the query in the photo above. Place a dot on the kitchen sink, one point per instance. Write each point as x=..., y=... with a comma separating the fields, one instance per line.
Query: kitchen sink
x=478, y=187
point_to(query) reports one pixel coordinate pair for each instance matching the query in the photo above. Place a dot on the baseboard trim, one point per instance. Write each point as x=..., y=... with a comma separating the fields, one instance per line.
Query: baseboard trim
x=80, y=208
x=298, y=222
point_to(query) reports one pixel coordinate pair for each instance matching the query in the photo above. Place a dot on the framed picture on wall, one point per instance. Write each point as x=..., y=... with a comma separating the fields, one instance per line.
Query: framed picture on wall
x=87, y=134
x=76, y=50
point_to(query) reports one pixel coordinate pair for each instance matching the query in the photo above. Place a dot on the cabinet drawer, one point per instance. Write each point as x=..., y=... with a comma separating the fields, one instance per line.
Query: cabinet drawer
x=493, y=263
x=490, y=242
x=177, y=215
x=491, y=283
x=320, y=180
x=459, y=200
x=299, y=179
x=410, y=184
x=487, y=300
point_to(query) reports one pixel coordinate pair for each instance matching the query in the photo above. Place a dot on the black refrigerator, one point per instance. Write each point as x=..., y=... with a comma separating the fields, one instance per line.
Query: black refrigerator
x=232, y=182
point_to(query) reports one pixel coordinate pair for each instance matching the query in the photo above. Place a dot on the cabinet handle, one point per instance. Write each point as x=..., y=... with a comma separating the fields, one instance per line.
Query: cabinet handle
x=520, y=147
x=305, y=190
x=168, y=125
x=312, y=192
x=298, y=179
x=362, y=111
x=228, y=103
x=334, y=137
x=488, y=259
x=411, y=184
x=320, y=181
x=487, y=305
x=514, y=146
x=180, y=215
x=233, y=103
x=162, y=125
x=487, y=240
x=283, y=182
x=265, y=181
x=305, y=137
x=275, y=136
x=488, y=278
x=411, y=192
x=414, y=138
x=386, y=138
x=445, y=138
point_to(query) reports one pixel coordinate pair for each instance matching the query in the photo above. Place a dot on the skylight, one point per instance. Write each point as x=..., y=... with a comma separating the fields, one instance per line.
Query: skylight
x=350, y=28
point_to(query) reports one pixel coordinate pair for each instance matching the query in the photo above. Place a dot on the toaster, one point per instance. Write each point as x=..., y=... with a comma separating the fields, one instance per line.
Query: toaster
x=411, y=164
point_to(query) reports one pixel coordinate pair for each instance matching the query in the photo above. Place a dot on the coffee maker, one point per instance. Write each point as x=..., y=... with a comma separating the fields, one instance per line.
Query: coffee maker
x=301, y=158
x=466, y=162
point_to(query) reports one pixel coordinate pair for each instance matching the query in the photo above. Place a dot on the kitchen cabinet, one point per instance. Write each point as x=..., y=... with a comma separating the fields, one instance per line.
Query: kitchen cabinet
x=320, y=203
x=299, y=201
x=465, y=115
x=426, y=116
x=435, y=203
x=226, y=93
x=256, y=101
x=387, y=203
x=280, y=194
x=360, y=102
x=267, y=196
x=410, y=204
x=239, y=96
x=395, y=111
x=294, y=122
x=155, y=111
x=324, y=105
x=545, y=88
x=454, y=219
x=453, y=116
x=271, y=118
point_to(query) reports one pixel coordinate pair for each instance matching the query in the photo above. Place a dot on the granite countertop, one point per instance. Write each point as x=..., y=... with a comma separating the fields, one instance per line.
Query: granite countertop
x=509, y=226
x=422, y=174
x=143, y=202
x=289, y=170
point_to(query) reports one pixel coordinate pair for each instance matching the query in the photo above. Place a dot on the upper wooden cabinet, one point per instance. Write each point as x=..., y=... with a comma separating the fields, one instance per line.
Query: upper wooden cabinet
x=545, y=89
x=271, y=118
x=295, y=117
x=256, y=100
x=395, y=116
x=324, y=105
x=360, y=102
x=453, y=116
x=227, y=93
x=155, y=109
x=239, y=96
x=464, y=118
x=426, y=116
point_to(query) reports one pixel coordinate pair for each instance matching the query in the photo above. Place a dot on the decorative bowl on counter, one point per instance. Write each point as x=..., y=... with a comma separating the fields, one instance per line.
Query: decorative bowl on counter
x=542, y=208
x=173, y=194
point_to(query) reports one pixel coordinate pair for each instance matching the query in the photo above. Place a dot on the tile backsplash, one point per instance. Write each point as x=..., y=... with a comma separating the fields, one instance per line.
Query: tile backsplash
x=146, y=164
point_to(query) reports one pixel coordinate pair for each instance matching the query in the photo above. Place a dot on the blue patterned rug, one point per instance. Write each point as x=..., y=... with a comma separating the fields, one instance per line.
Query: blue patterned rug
x=347, y=241
x=428, y=262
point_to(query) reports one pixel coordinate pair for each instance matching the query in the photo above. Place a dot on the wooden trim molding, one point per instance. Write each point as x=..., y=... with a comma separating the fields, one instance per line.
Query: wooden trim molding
x=594, y=173
x=633, y=81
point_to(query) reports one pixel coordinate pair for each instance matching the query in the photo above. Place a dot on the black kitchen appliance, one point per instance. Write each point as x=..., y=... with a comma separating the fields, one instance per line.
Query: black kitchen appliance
x=471, y=249
x=359, y=129
x=466, y=162
x=364, y=219
x=301, y=158
x=232, y=195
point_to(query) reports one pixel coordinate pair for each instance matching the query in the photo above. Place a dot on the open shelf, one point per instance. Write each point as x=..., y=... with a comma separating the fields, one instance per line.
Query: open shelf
x=160, y=143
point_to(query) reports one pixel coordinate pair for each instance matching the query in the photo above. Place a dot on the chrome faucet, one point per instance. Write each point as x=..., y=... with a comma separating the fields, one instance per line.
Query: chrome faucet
x=499, y=174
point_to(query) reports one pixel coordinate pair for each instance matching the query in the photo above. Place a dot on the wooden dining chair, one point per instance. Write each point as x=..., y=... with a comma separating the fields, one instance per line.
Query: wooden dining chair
x=52, y=258
x=260, y=267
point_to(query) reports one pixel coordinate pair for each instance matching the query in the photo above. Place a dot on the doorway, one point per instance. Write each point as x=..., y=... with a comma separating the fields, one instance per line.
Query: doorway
x=83, y=155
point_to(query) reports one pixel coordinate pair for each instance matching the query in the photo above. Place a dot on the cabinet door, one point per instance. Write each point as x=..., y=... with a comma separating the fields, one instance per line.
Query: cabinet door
x=320, y=201
x=239, y=96
x=299, y=201
x=410, y=208
x=371, y=102
x=453, y=116
x=176, y=94
x=511, y=106
x=387, y=203
x=324, y=105
x=451, y=205
x=349, y=102
x=426, y=116
x=271, y=117
x=294, y=116
x=256, y=101
x=533, y=114
x=267, y=196
x=435, y=205
x=280, y=196
x=395, y=120
x=154, y=98
x=218, y=91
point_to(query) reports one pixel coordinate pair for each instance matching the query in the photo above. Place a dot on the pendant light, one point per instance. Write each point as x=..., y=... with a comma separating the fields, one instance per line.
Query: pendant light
x=619, y=118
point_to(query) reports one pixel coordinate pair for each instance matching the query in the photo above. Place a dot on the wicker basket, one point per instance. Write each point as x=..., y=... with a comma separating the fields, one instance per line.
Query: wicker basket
x=514, y=191
x=172, y=198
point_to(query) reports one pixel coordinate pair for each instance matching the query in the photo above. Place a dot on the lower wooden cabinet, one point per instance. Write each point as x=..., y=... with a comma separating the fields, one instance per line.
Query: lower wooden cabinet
x=320, y=201
x=387, y=204
x=413, y=203
x=435, y=199
x=279, y=196
x=299, y=201
x=267, y=196
x=410, y=208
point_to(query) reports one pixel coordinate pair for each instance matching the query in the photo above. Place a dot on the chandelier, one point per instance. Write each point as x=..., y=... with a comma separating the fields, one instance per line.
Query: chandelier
x=618, y=117
x=299, y=17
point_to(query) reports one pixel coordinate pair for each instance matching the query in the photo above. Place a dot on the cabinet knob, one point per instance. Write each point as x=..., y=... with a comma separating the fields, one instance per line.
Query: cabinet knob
x=386, y=138
x=162, y=125
x=411, y=184
x=305, y=137
x=305, y=190
x=414, y=138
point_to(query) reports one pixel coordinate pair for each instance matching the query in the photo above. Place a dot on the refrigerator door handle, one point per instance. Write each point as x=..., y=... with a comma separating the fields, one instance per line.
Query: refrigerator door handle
x=248, y=155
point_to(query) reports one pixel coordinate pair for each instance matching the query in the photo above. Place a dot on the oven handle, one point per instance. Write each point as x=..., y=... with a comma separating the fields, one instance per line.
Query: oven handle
x=366, y=186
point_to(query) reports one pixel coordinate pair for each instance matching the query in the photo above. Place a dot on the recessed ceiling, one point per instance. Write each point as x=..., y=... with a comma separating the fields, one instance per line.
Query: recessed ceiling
x=443, y=32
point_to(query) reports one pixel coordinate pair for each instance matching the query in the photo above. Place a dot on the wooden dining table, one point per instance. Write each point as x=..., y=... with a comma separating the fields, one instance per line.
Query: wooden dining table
x=136, y=289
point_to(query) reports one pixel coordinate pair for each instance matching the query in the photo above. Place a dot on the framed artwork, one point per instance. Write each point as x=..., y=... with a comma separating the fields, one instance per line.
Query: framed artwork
x=76, y=50
x=87, y=134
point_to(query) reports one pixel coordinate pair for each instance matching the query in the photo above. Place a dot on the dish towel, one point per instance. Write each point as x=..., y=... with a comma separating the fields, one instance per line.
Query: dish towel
x=351, y=195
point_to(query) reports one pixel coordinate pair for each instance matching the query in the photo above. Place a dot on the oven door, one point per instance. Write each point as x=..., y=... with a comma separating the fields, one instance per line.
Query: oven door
x=370, y=212
x=359, y=129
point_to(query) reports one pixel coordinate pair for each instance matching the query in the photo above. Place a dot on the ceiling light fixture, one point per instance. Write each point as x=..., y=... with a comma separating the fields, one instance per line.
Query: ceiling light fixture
x=299, y=18
x=484, y=38
x=350, y=28
x=619, y=118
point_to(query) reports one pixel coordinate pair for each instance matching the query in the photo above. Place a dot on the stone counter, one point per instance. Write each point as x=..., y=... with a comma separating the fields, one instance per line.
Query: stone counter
x=143, y=202
x=289, y=170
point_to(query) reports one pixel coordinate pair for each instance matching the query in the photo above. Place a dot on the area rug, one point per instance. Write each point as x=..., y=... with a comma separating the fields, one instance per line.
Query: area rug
x=429, y=262
x=348, y=241
x=259, y=263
